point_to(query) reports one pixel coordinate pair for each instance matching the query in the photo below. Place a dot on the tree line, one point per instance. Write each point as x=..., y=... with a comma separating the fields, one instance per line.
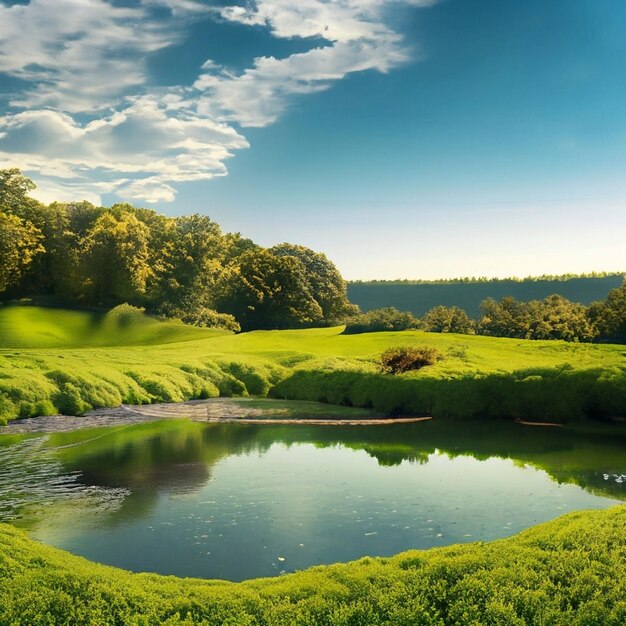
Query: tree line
x=554, y=317
x=79, y=254
x=485, y=279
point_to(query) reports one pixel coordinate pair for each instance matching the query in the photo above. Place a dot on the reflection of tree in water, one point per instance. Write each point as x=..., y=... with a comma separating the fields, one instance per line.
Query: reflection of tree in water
x=567, y=455
x=177, y=456
x=174, y=456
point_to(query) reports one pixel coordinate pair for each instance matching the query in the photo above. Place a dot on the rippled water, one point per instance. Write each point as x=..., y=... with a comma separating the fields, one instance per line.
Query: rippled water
x=32, y=478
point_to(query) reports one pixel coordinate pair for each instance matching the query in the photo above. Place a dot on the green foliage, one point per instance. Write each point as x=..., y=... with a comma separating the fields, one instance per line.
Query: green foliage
x=388, y=319
x=268, y=291
x=551, y=318
x=444, y=319
x=568, y=571
x=14, y=189
x=115, y=262
x=326, y=285
x=202, y=317
x=403, y=359
x=559, y=394
x=609, y=317
x=20, y=243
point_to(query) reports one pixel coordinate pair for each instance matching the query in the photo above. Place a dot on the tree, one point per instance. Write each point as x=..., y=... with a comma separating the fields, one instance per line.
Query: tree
x=14, y=190
x=609, y=317
x=326, y=284
x=265, y=291
x=503, y=319
x=190, y=265
x=443, y=319
x=115, y=259
x=555, y=317
x=20, y=244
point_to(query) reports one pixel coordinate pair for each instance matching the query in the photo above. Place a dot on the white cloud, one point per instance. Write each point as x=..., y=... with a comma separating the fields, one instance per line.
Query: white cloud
x=356, y=36
x=89, y=122
x=259, y=95
x=77, y=54
x=145, y=139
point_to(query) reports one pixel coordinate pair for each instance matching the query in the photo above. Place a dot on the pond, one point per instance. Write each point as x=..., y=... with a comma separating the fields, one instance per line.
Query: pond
x=238, y=501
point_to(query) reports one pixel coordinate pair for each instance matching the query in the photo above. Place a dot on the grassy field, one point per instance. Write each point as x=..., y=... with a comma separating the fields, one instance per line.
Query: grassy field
x=36, y=327
x=569, y=571
x=68, y=361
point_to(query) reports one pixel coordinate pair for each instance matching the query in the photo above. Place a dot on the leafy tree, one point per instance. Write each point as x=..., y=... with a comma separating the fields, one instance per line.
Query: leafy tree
x=20, y=244
x=14, y=190
x=265, y=291
x=503, y=319
x=443, y=319
x=609, y=317
x=555, y=317
x=191, y=264
x=326, y=284
x=115, y=259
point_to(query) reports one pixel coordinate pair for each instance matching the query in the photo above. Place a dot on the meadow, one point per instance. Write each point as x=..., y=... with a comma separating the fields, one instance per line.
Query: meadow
x=568, y=571
x=71, y=361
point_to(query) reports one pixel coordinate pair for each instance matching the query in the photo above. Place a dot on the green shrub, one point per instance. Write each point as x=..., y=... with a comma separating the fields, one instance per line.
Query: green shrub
x=388, y=319
x=200, y=316
x=569, y=571
x=404, y=359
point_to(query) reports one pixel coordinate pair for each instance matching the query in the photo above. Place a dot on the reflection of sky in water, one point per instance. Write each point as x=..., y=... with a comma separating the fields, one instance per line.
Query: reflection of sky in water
x=291, y=507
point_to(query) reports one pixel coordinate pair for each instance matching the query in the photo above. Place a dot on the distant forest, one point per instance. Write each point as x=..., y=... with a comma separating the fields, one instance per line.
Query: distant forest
x=419, y=297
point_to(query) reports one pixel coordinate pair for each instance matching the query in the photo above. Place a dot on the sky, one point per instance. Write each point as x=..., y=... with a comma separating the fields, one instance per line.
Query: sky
x=403, y=138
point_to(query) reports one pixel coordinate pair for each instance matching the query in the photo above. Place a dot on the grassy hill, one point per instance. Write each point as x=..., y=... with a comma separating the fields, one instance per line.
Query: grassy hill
x=568, y=571
x=38, y=327
x=72, y=368
x=420, y=297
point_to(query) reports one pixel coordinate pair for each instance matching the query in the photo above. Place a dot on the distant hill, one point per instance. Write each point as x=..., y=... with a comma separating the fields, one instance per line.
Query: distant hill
x=421, y=296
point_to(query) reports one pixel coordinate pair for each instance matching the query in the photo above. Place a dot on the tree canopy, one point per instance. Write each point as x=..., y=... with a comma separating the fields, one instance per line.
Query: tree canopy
x=184, y=267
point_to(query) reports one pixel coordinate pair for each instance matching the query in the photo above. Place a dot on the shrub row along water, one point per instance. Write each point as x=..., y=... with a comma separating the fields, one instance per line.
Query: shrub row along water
x=560, y=394
x=569, y=571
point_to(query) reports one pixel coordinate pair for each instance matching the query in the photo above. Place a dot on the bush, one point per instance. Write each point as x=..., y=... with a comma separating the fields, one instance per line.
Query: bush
x=400, y=360
x=388, y=319
x=200, y=316
x=445, y=319
x=124, y=316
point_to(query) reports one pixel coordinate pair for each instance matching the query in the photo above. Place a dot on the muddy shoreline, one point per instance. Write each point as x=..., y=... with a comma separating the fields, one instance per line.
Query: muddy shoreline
x=214, y=410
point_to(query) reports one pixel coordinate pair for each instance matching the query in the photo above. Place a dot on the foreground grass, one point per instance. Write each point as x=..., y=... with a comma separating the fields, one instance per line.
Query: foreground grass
x=568, y=571
x=166, y=362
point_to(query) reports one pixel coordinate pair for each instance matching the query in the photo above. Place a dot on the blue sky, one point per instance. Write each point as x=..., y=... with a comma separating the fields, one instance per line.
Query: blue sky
x=403, y=138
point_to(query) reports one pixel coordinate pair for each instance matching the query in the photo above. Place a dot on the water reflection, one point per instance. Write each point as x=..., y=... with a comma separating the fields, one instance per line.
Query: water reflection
x=232, y=500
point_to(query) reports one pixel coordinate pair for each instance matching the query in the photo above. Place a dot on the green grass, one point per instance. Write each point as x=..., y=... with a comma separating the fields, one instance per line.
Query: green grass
x=37, y=327
x=569, y=571
x=149, y=361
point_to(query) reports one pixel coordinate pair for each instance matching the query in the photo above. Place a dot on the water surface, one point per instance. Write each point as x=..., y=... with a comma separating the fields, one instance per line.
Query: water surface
x=238, y=501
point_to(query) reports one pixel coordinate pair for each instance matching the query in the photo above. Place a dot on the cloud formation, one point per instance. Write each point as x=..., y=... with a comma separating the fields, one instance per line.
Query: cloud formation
x=88, y=119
